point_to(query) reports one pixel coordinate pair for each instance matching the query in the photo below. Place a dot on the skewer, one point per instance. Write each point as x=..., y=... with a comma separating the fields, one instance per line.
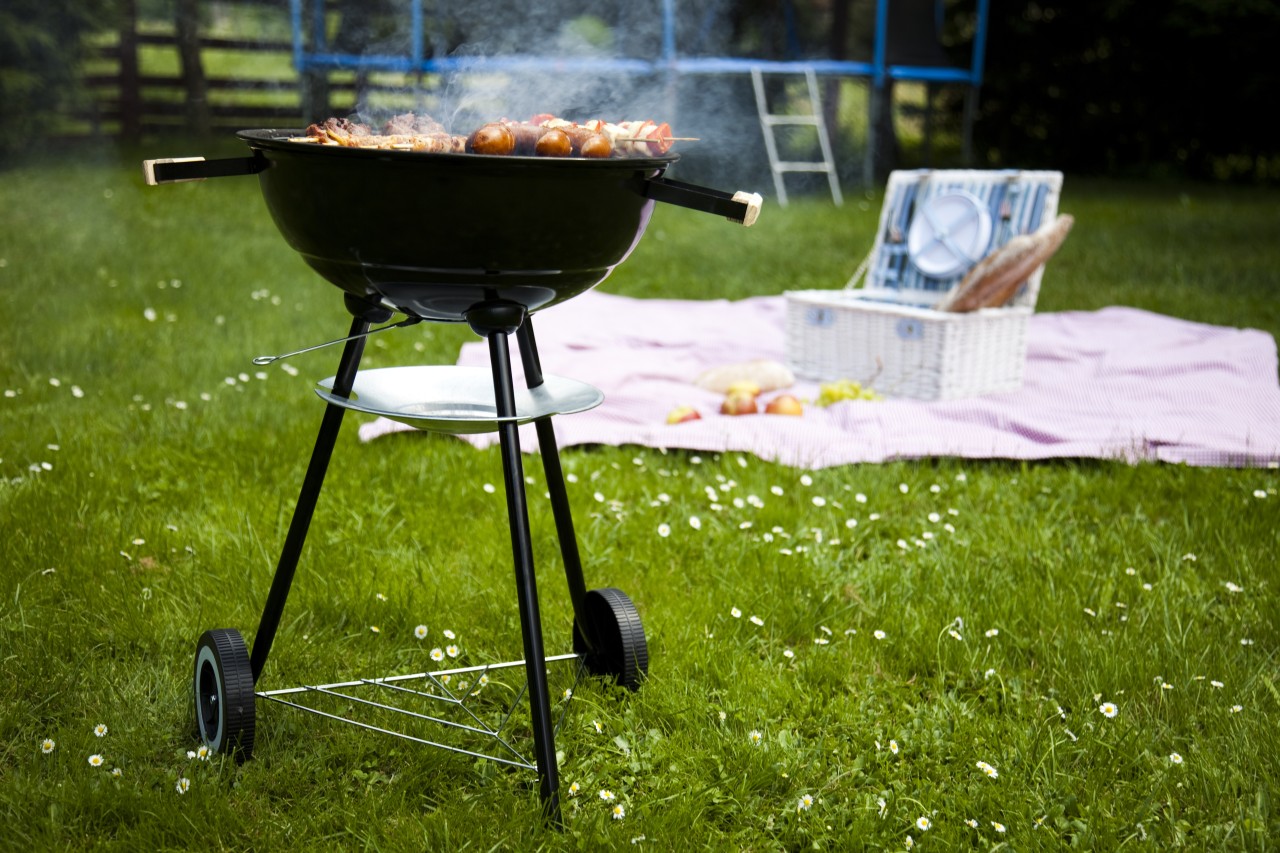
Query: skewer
x=657, y=139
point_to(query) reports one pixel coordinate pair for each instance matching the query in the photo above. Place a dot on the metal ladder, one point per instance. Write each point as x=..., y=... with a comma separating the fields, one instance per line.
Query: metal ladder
x=769, y=121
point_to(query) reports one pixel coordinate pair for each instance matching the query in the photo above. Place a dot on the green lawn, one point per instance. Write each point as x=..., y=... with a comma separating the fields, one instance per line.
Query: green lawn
x=148, y=472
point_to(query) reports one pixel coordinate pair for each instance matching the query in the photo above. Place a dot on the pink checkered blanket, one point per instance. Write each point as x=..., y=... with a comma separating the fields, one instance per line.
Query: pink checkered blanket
x=1118, y=383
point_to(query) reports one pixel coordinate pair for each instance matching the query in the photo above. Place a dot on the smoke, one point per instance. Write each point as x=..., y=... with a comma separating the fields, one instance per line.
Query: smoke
x=593, y=47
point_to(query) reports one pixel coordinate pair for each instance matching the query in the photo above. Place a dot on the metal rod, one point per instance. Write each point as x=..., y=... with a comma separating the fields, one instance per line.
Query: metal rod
x=495, y=733
x=307, y=497
x=269, y=359
x=560, y=508
x=402, y=735
x=526, y=583
x=411, y=677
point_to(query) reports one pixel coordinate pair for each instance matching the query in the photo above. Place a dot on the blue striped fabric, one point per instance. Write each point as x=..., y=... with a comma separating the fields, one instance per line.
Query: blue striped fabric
x=1019, y=203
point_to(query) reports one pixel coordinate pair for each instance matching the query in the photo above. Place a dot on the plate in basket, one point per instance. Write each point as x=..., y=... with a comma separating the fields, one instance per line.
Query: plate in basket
x=456, y=400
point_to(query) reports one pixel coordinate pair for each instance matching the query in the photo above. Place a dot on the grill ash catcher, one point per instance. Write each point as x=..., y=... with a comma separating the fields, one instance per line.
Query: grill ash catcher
x=482, y=240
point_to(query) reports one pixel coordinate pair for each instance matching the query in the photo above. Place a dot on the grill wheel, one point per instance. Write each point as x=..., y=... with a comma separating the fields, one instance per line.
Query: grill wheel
x=621, y=652
x=224, y=696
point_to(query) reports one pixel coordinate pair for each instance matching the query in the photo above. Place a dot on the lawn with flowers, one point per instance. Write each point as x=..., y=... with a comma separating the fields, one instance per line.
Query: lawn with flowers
x=922, y=655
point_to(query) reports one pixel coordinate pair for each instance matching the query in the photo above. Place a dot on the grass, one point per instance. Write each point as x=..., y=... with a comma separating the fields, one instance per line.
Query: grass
x=145, y=486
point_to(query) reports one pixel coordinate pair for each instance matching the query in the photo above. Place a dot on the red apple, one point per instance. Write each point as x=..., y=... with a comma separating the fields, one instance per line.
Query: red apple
x=784, y=404
x=680, y=414
x=739, y=403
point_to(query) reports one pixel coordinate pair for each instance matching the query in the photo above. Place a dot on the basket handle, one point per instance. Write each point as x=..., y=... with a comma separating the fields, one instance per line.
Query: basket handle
x=857, y=280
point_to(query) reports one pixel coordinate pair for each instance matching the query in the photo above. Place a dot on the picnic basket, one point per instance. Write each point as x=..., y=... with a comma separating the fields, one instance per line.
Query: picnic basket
x=881, y=330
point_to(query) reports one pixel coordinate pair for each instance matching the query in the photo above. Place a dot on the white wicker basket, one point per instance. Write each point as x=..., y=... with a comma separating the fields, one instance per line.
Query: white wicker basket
x=885, y=335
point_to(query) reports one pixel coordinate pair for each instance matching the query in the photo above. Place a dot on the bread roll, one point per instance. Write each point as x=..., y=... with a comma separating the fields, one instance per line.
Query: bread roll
x=995, y=279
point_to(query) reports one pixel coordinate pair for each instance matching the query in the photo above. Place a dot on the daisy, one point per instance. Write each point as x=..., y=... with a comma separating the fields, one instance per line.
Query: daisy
x=599, y=728
x=755, y=736
x=882, y=806
x=988, y=769
x=47, y=745
x=95, y=760
x=909, y=843
x=723, y=716
x=878, y=634
x=1108, y=709
x=991, y=632
x=573, y=789
x=451, y=651
x=805, y=803
x=923, y=824
x=437, y=655
x=1175, y=758
x=375, y=629
x=100, y=730
x=568, y=693
x=955, y=635
x=788, y=654
x=860, y=498
x=183, y=785
x=695, y=522
x=203, y=752
x=893, y=747
x=757, y=621
x=997, y=826
x=1236, y=709
x=971, y=823
x=116, y=771
x=449, y=635
x=607, y=795
x=619, y=812
x=1217, y=684
x=735, y=613
x=806, y=480
x=420, y=632
x=664, y=530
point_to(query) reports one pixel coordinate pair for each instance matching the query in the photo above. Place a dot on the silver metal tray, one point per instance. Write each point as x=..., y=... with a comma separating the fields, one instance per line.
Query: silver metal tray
x=456, y=400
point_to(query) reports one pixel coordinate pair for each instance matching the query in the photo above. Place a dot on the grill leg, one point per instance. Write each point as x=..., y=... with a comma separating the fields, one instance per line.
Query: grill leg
x=555, y=486
x=490, y=324
x=307, y=498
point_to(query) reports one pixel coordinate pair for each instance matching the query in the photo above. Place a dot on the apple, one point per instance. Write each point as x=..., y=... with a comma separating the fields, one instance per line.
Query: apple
x=784, y=404
x=739, y=403
x=681, y=414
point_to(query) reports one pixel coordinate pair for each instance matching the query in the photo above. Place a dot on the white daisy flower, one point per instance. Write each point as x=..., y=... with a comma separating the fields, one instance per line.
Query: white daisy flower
x=203, y=752
x=997, y=826
x=735, y=613
x=437, y=654
x=805, y=803
x=47, y=745
x=991, y=632
x=599, y=727
x=574, y=788
x=695, y=522
x=755, y=737
x=184, y=784
x=1108, y=709
x=449, y=635
x=971, y=823
x=955, y=635
x=988, y=769
x=619, y=812
x=923, y=824
x=420, y=632
x=451, y=651
x=1175, y=758
x=893, y=747
x=664, y=530
x=95, y=760
x=607, y=795
x=878, y=634
x=756, y=620
x=100, y=730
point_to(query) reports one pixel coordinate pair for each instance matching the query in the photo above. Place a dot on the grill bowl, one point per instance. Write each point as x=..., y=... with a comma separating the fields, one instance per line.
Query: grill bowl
x=435, y=234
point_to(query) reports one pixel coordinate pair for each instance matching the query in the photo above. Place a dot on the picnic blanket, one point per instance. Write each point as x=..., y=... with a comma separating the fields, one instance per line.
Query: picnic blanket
x=1118, y=383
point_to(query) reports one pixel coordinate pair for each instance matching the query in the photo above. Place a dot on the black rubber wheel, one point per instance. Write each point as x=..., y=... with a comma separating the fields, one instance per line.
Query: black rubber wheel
x=620, y=650
x=224, y=695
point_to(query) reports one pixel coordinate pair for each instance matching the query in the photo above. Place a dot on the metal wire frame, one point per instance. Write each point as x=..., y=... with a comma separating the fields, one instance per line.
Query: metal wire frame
x=440, y=679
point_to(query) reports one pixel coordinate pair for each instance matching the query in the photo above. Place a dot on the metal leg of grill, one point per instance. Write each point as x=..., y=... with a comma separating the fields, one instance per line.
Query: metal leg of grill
x=526, y=584
x=307, y=497
x=556, y=487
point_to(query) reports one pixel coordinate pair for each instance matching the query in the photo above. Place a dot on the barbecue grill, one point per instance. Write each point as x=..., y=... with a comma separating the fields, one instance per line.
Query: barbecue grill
x=484, y=240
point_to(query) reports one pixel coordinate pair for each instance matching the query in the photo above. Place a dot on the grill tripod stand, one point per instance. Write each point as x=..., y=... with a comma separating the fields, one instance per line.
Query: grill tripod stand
x=608, y=638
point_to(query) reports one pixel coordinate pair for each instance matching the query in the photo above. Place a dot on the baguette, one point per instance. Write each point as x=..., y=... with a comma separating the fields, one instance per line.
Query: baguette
x=995, y=279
